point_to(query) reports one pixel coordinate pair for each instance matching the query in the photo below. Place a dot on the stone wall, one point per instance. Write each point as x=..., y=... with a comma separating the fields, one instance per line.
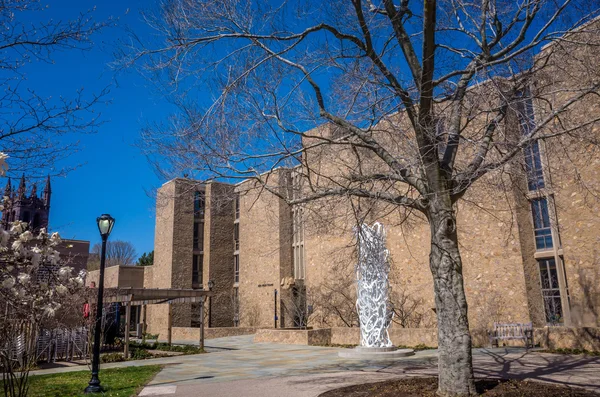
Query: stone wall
x=310, y=337
x=261, y=253
x=399, y=336
x=173, y=246
x=218, y=251
x=119, y=277
x=193, y=334
x=583, y=338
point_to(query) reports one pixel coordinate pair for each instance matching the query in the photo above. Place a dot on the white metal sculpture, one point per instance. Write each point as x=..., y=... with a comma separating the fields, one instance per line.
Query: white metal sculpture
x=372, y=272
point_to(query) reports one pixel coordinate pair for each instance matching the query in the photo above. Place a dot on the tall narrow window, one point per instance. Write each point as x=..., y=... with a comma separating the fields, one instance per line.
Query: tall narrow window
x=237, y=206
x=525, y=112
x=199, y=235
x=533, y=159
x=541, y=224
x=236, y=268
x=236, y=236
x=199, y=204
x=236, y=307
x=36, y=221
x=197, y=269
x=551, y=291
x=533, y=166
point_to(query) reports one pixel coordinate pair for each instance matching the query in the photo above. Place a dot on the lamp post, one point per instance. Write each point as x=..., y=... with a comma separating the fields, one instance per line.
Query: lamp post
x=211, y=284
x=105, y=225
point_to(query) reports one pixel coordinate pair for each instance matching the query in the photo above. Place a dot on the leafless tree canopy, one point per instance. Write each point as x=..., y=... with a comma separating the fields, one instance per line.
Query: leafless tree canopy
x=411, y=100
x=32, y=127
x=118, y=253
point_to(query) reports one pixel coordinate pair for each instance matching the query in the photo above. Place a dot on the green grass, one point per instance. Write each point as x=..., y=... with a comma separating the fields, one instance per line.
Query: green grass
x=121, y=382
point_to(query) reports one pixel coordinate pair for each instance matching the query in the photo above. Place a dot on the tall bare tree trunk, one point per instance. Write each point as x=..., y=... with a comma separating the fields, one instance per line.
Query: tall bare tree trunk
x=454, y=340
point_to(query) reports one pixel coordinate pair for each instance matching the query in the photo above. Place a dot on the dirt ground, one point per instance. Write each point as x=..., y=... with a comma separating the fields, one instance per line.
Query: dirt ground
x=426, y=387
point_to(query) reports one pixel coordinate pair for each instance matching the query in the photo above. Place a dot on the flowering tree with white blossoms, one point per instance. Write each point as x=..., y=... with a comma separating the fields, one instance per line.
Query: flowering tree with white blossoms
x=36, y=291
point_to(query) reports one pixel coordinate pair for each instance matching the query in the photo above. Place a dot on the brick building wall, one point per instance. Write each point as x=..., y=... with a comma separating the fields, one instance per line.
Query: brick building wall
x=501, y=260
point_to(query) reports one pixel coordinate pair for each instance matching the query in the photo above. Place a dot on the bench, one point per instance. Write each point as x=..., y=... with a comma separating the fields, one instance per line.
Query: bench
x=512, y=331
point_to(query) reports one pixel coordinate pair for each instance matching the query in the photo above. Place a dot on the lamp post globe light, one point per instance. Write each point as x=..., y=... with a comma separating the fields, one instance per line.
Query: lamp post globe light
x=105, y=225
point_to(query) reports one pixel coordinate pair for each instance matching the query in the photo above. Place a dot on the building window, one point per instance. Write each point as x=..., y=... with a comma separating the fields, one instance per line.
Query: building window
x=199, y=204
x=551, y=291
x=525, y=112
x=236, y=307
x=236, y=268
x=36, y=221
x=541, y=224
x=237, y=206
x=533, y=166
x=236, y=236
x=197, y=269
x=533, y=160
x=199, y=235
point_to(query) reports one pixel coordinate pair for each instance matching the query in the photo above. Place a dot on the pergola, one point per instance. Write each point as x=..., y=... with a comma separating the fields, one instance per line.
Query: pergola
x=153, y=296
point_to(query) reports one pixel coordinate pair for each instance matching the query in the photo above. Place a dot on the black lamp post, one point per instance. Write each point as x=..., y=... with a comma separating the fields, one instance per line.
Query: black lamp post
x=211, y=284
x=105, y=225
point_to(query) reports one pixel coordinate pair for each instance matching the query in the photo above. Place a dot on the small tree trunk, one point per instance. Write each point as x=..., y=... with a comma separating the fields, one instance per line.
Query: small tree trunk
x=454, y=340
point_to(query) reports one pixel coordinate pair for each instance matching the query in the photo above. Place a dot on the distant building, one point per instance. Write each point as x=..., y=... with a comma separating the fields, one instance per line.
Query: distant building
x=21, y=205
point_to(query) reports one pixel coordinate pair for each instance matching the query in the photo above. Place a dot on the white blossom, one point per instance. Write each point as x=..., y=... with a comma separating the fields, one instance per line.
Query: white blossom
x=54, y=257
x=55, y=238
x=49, y=311
x=18, y=227
x=64, y=272
x=62, y=290
x=26, y=236
x=24, y=278
x=3, y=164
x=79, y=281
x=17, y=245
x=43, y=234
x=8, y=282
x=36, y=256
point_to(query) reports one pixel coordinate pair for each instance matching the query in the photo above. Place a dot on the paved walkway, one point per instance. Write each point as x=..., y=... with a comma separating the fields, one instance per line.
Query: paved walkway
x=237, y=366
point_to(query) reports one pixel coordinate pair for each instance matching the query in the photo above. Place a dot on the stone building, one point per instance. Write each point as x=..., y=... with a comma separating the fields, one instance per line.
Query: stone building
x=529, y=235
x=25, y=205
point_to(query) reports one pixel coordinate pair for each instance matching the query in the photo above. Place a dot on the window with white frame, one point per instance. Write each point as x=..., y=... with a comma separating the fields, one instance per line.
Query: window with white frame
x=551, y=291
x=541, y=224
x=533, y=159
x=236, y=268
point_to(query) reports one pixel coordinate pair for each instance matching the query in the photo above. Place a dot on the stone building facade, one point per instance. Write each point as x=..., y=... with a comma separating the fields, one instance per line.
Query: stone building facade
x=529, y=235
x=27, y=205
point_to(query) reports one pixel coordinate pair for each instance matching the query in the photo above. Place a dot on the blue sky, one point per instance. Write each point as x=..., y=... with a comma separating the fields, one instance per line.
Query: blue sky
x=114, y=177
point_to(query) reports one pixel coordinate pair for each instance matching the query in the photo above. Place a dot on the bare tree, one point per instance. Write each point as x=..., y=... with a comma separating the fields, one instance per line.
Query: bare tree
x=118, y=253
x=392, y=103
x=32, y=126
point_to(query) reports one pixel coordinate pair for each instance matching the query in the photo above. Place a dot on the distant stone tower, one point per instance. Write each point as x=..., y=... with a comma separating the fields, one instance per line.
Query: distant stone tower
x=19, y=206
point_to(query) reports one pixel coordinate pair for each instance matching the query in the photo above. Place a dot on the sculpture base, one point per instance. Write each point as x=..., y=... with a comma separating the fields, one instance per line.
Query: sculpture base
x=376, y=353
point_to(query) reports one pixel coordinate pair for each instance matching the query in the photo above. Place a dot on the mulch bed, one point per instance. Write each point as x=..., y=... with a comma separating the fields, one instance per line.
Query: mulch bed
x=417, y=387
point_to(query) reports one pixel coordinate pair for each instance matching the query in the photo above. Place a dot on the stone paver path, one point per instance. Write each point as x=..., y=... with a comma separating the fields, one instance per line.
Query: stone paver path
x=236, y=366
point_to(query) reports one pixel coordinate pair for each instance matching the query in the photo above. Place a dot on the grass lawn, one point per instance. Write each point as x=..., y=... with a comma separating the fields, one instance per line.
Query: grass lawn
x=122, y=382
